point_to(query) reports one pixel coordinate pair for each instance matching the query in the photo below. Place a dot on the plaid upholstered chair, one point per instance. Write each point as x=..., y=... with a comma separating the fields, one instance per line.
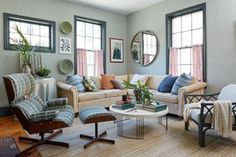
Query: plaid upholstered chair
x=35, y=116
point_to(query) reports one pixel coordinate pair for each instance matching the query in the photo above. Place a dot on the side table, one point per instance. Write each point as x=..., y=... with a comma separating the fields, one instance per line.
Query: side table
x=45, y=88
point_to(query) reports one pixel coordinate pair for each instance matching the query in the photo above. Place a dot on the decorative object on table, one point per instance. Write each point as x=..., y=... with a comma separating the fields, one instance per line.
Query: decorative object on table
x=65, y=45
x=25, y=50
x=65, y=66
x=66, y=27
x=141, y=92
x=123, y=105
x=43, y=72
x=116, y=50
x=154, y=107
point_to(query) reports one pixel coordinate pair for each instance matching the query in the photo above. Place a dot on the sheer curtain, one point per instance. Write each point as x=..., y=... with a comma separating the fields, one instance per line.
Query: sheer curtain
x=173, y=61
x=81, y=62
x=98, y=63
x=196, y=70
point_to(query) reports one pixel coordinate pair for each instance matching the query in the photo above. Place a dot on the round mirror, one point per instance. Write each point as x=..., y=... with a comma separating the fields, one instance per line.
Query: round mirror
x=144, y=47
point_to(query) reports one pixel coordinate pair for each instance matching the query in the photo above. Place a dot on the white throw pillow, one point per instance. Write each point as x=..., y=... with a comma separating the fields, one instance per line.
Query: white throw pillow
x=137, y=77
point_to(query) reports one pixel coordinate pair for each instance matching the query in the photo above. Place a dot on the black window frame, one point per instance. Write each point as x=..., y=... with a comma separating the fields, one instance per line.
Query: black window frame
x=170, y=16
x=103, y=37
x=31, y=20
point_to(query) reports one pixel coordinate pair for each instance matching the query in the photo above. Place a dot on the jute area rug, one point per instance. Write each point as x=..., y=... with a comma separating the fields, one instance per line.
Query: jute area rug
x=176, y=142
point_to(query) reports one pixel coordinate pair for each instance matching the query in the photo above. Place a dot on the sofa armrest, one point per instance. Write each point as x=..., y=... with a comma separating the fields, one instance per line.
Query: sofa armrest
x=197, y=88
x=70, y=92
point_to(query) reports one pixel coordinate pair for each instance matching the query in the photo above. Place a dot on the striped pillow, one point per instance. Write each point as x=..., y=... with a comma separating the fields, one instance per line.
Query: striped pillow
x=76, y=81
x=182, y=81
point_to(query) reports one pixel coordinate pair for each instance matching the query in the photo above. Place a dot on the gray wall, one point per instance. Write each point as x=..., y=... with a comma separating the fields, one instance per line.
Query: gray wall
x=221, y=32
x=59, y=11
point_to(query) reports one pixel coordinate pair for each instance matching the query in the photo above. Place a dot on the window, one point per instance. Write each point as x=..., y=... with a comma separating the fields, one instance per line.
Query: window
x=186, y=42
x=40, y=33
x=90, y=46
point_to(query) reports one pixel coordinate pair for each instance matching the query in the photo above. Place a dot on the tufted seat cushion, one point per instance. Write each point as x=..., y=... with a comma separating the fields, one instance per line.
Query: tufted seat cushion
x=113, y=92
x=90, y=96
x=95, y=115
x=65, y=115
x=165, y=97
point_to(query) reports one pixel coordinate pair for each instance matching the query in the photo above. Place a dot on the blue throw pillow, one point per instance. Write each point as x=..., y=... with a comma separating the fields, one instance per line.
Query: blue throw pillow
x=182, y=80
x=76, y=81
x=167, y=84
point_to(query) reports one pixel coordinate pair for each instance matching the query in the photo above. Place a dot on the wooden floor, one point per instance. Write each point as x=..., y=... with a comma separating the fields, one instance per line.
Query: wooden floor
x=10, y=127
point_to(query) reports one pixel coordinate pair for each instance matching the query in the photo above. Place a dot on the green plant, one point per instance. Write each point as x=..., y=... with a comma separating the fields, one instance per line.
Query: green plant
x=43, y=71
x=23, y=47
x=141, y=92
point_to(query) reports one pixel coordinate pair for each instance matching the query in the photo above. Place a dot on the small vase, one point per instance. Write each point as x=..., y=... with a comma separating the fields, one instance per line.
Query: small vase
x=26, y=68
x=137, y=95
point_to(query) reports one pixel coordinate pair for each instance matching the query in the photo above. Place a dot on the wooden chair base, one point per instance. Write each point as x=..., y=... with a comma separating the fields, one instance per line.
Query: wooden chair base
x=95, y=139
x=38, y=142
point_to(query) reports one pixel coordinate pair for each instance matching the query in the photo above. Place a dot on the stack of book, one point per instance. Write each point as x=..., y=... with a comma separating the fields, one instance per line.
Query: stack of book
x=155, y=107
x=123, y=105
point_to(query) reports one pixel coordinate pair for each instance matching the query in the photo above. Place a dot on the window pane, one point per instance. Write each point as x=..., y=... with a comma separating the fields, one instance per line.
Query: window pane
x=44, y=31
x=97, y=44
x=154, y=50
x=35, y=29
x=176, y=40
x=89, y=30
x=97, y=31
x=90, y=70
x=197, y=37
x=186, y=39
x=197, y=20
x=176, y=25
x=25, y=28
x=81, y=42
x=34, y=40
x=89, y=43
x=44, y=41
x=154, y=40
x=90, y=57
x=186, y=22
x=81, y=28
x=185, y=69
x=14, y=38
x=13, y=25
x=185, y=56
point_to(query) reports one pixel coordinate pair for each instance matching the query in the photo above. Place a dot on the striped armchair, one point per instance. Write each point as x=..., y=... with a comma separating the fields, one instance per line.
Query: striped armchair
x=35, y=116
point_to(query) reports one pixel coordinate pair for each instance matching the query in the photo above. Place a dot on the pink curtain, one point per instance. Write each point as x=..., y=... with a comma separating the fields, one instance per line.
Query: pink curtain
x=173, y=61
x=196, y=70
x=99, y=63
x=81, y=62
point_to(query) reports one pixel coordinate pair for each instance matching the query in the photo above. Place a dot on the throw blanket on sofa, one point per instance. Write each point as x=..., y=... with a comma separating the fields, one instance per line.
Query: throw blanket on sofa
x=222, y=117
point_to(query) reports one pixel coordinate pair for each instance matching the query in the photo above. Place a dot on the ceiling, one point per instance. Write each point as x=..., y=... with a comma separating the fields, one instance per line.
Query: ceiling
x=119, y=6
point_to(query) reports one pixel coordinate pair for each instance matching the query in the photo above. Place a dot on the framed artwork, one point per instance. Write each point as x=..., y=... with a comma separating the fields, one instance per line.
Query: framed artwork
x=65, y=45
x=116, y=50
x=136, y=51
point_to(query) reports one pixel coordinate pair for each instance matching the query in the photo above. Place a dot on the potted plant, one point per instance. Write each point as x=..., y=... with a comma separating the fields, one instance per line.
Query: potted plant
x=25, y=50
x=141, y=92
x=43, y=72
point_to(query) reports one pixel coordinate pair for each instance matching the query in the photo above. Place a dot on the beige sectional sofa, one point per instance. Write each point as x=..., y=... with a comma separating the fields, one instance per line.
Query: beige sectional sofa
x=106, y=97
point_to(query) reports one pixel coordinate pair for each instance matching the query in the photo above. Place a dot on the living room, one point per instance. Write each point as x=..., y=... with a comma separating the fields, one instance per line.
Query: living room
x=102, y=29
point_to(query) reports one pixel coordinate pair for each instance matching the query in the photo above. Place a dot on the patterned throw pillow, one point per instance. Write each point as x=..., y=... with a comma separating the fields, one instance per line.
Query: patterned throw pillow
x=89, y=85
x=137, y=77
x=76, y=81
x=182, y=81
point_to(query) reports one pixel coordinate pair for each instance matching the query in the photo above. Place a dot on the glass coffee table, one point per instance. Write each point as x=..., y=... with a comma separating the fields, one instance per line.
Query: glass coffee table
x=139, y=115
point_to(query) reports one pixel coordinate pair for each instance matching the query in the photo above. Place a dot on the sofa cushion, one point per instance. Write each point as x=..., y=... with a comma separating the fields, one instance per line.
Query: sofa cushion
x=76, y=80
x=106, y=81
x=97, y=80
x=117, y=84
x=137, y=77
x=90, y=96
x=113, y=92
x=154, y=81
x=122, y=77
x=165, y=97
x=167, y=84
x=182, y=81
